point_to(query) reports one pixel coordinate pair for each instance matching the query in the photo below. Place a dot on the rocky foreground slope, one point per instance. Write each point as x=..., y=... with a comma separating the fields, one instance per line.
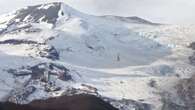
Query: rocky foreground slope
x=52, y=50
x=77, y=102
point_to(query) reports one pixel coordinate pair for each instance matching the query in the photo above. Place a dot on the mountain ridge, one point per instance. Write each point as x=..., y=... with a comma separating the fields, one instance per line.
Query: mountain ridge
x=51, y=50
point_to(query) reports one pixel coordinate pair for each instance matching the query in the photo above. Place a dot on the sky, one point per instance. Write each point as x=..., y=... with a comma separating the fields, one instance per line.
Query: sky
x=162, y=11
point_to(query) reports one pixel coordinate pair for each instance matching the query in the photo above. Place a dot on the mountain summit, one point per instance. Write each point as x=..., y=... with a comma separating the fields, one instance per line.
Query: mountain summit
x=52, y=11
x=52, y=50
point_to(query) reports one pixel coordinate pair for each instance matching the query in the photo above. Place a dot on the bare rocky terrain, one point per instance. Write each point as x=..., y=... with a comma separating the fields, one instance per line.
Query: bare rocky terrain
x=76, y=102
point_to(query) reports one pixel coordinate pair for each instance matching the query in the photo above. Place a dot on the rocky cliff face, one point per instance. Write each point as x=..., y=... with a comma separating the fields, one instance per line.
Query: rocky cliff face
x=186, y=90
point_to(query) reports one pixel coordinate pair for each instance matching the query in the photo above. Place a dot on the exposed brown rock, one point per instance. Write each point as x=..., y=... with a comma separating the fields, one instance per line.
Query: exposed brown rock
x=76, y=102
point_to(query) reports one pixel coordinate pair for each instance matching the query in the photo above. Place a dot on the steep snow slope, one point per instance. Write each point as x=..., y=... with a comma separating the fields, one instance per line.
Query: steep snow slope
x=53, y=48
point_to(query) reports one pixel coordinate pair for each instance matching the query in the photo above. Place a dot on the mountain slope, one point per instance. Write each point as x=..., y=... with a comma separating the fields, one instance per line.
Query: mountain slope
x=81, y=102
x=55, y=50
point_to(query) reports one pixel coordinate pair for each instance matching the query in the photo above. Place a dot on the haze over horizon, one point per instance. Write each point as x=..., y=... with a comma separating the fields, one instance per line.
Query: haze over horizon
x=162, y=11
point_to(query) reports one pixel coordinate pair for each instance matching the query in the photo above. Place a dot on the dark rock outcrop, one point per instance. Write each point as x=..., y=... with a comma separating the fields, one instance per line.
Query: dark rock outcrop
x=127, y=104
x=133, y=19
x=43, y=71
x=19, y=96
x=192, y=45
x=39, y=71
x=38, y=13
x=47, y=52
x=76, y=102
x=50, y=53
x=186, y=90
x=17, y=42
x=172, y=104
x=192, y=57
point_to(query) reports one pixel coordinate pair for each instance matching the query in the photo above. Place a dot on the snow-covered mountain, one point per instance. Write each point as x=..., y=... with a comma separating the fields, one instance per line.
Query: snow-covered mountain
x=52, y=49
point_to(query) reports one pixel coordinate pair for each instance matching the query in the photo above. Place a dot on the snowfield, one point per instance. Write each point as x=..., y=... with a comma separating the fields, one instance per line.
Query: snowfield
x=115, y=57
